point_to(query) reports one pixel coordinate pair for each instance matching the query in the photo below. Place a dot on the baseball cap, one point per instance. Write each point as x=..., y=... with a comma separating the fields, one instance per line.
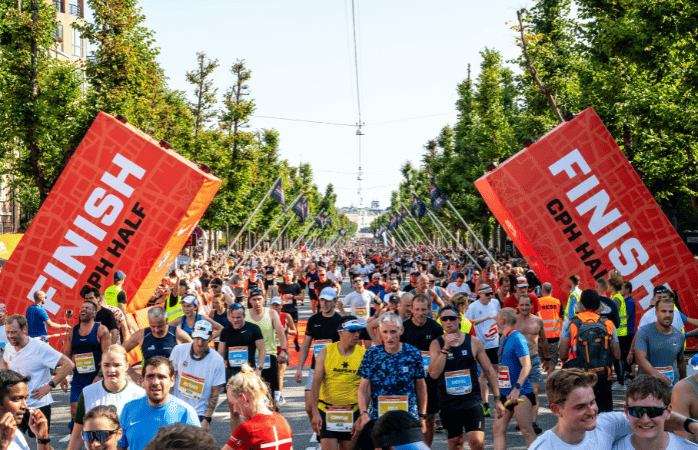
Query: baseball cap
x=119, y=275
x=521, y=282
x=255, y=291
x=376, y=276
x=400, y=430
x=394, y=299
x=660, y=289
x=217, y=281
x=277, y=301
x=350, y=325
x=484, y=288
x=191, y=299
x=414, y=272
x=328, y=293
x=182, y=282
x=202, y=329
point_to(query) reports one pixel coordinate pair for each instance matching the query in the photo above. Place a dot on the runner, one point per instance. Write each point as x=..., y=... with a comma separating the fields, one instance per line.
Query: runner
x=13, y=395
x=290, y=330
x=291, y=293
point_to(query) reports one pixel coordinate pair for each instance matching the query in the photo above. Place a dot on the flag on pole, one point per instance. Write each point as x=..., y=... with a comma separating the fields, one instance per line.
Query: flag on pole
x=418, y=207
x=320, y=221
x=306, y=208
x=385, y=239
x=298, y=209
x=392, y=224
x=328, y=221
x=438, y=198
x=277, y=193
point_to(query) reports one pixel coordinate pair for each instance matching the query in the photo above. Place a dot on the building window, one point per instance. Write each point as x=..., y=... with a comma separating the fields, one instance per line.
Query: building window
x=58, y=37
x=77, y=43
x=3, y=188
x=58, y=4
x=74, y=8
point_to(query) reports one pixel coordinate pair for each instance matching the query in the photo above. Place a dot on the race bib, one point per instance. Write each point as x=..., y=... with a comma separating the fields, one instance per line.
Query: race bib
x=339, y=418
x=191, y=386
x=458, y=382
x=270, y=277
x=361, y=312
x=668, y=371
x=311, y=285
x=237, y=356
x=318, y=345
x=267, y=362
x=391, y=403
x=85, y=363
x=288, y=299
x=504, y=380
x=426, y=358
x=492, y=332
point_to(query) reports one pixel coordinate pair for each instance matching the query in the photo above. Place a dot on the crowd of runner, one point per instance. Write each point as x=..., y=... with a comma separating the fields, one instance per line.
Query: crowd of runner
x=418, y=345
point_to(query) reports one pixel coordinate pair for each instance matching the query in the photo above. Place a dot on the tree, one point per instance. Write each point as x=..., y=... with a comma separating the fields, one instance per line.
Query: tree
x=204, y=92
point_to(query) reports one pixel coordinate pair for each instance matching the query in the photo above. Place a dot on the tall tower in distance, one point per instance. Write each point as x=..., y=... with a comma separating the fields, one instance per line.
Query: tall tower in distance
x=68, y=44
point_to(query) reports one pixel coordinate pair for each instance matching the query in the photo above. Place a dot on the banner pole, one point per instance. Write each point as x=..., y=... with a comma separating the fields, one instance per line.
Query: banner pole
x=310, y=224
x=336, y=233
x=249, y=219
x=244, y=258
x=399, y=238
x=454, y=238
x=281, y=233
x=471, y=231
x=407, y=238
x=420, y=228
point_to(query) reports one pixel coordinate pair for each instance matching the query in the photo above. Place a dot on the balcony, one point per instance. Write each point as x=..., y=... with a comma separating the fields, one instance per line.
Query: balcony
x=75, y=10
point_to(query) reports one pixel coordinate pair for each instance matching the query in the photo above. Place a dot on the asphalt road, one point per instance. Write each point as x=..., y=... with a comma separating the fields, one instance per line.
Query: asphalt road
x=294, y=411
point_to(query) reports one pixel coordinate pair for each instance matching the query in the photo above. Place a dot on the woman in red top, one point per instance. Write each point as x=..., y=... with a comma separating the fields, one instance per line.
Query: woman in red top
x=250, y=396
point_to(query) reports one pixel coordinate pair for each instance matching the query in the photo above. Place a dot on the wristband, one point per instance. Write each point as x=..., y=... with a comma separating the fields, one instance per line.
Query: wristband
x=422, y=416
x=43, y=441
x=51, y=383
x=363, y=412
x=546, y=359
x=688, y=423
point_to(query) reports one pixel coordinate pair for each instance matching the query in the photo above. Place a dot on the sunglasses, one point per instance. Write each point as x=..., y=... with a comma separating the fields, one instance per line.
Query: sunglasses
x=489, y=294
x=449, y=318
x=639, y=411
x=235, y=305
x=102, y=436
x=254, y=292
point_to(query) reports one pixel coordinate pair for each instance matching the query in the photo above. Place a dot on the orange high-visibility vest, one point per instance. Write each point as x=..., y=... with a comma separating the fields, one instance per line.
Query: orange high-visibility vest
x=550, y=308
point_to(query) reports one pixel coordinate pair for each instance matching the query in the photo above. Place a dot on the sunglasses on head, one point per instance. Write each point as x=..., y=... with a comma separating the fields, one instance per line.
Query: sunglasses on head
x=651, y=411
x=101, y=435
x=255, y=291
x=449, y=318
x=235, y=305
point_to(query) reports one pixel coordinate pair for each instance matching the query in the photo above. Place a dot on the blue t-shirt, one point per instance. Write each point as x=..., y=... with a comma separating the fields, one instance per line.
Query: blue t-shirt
x=376, y=290
x=392, y=375
x=141, y=422
x=36, y=321
x=630, y=311
x=513, y=348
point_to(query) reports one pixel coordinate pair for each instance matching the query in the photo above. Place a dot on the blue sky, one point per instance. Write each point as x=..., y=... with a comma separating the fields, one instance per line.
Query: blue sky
x=412, y=55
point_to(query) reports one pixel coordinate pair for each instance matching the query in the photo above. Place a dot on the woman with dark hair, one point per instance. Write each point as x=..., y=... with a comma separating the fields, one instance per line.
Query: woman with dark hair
x=101, y=429
x=533, y=283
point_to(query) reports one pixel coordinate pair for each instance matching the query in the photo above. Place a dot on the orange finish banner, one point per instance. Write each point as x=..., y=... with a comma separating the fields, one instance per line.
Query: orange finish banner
x=123, y=202
x=573, y=204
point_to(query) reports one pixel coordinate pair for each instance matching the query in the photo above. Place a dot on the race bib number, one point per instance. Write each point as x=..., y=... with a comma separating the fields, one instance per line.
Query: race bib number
x=311, y=285
x=458, y=382
x=391, y=403
x=318, y=345
x=85, y=363
x=191, y=386
x=426, y=358
x=339, y=418
x=361, y=312
x=668, y=371
x=237, y=356
x=267, y=362
x=504, y=380
x=492, y=332
x=270, y=277
x=288, y=299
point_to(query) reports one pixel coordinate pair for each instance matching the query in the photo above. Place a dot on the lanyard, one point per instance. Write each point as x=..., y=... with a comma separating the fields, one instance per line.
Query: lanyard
x=504, y=340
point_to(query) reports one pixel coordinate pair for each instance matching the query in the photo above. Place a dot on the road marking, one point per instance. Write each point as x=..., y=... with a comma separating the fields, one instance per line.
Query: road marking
x=310, y=448
x=313, y=438
x=65, y=439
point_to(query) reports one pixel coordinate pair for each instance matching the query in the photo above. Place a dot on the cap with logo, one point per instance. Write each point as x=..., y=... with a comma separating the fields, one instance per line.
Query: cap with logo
x=202, y=329
x=521, y=282
x=217, y=281
x=394, y=299
x=328, y=293
x=350, y=325
x=190, y=299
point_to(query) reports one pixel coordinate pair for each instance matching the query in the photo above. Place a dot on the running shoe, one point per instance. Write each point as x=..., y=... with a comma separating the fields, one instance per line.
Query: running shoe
x=486, y=411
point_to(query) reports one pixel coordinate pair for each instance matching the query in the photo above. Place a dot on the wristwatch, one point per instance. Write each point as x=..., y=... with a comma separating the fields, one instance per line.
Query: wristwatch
x=517, y=386
x=687, y=423
x=209, y=418
x=422, y=416
x=43, y=441
x=51, y=383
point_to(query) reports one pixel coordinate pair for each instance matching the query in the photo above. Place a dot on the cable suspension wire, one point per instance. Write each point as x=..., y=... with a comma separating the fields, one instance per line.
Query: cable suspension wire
x=305, y=120
x=358, y=96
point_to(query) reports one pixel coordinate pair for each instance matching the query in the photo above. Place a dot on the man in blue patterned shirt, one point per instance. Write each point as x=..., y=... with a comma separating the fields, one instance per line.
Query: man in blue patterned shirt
x=392, y=376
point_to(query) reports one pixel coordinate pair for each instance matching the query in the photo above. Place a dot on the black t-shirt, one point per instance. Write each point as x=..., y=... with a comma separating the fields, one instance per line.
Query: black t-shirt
x=106, y=318
x=247, y=336
x=421, y=337
x=409, y=288
x=320, y=285
x=289, y=306
x=471, y=285
x=321, y=328
x=121, y=297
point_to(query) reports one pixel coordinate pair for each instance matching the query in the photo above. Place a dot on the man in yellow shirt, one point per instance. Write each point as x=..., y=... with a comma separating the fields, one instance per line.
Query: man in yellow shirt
x=335, y=387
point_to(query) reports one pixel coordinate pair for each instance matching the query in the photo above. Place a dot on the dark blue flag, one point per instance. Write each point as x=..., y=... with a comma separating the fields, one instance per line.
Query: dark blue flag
x=418, y=207
x=277, y=193
x=438, y=198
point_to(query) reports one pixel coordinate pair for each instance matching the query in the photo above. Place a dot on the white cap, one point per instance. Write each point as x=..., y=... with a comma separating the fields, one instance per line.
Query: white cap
x=202, y=329
x=277, y=301
x=328, y=293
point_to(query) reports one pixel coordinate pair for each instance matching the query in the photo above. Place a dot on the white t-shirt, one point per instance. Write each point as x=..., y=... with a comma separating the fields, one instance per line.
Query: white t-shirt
x=610, y=426
x=486, y=331
x=3, y=339
x=36, y=359
x=360, y=304
x=675, y=443
x=453, y=288
x=18, y=443
x=195, y=378
x=650, y=316
x=96, y=394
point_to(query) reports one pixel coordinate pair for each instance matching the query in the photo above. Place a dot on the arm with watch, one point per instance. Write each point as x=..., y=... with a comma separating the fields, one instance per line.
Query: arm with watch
x=363, y=400
x=211, y=407
x=525, y=361
x=420, y=386
x=65, y=366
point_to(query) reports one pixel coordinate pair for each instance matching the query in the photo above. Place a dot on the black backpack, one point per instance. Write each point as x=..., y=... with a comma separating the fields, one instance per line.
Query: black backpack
x=593, y=348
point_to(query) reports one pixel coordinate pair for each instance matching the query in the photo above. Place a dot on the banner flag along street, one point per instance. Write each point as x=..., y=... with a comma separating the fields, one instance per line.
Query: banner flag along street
x=297, y=209
x=419, y=208
x=123, y=202
x=278, y=194
x=438, y=198
x=574, y=205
